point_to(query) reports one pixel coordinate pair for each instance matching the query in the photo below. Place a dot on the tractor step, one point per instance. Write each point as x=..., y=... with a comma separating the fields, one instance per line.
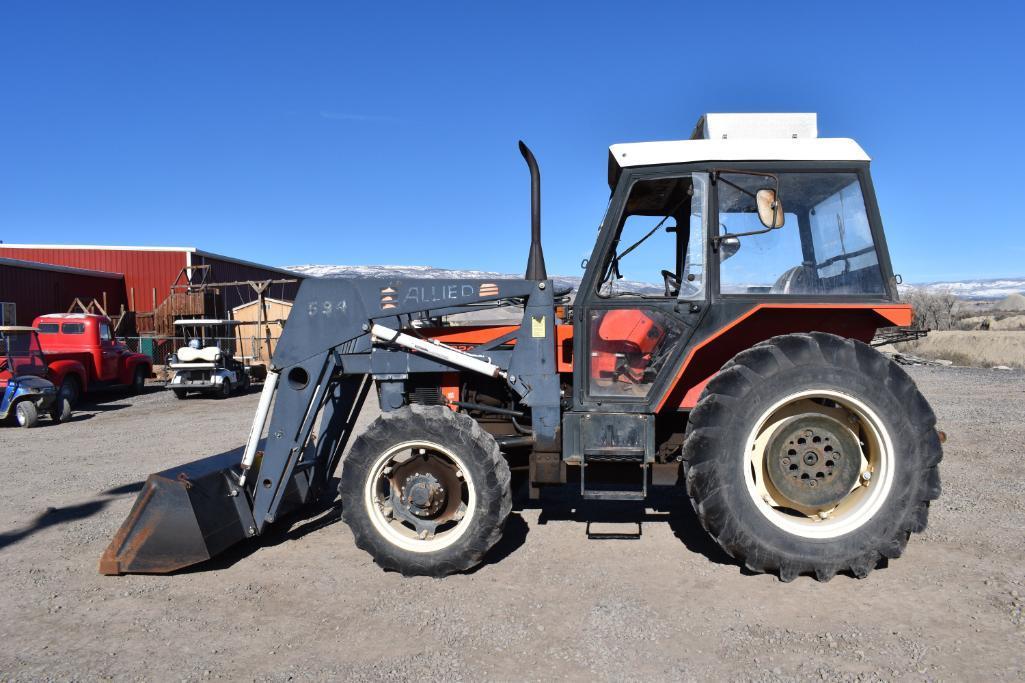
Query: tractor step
x=625, y=457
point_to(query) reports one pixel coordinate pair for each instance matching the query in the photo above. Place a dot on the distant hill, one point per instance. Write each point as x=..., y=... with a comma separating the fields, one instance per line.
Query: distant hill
x=978, y=290
x=561, y=281
x=1015, y=302
x=973, y=290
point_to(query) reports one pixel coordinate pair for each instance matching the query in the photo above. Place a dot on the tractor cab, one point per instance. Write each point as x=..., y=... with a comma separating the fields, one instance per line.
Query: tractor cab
x=206, y=363
x=25, y=393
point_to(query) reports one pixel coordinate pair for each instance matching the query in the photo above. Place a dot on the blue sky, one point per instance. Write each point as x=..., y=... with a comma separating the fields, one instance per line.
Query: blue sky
x=368, y=133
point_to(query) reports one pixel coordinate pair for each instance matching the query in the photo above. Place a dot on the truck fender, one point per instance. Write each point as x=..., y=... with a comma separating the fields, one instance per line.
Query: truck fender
x=59, y=369
x=131, y=363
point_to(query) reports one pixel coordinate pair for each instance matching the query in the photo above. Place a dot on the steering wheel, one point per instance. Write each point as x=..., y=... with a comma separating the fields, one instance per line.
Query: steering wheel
x=672, y=283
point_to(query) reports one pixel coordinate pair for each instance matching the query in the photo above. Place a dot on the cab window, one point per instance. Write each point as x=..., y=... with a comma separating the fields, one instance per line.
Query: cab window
x=824, y=247
x=49, y=328
x=105, y=332
x=73, y=328
x=659, y=245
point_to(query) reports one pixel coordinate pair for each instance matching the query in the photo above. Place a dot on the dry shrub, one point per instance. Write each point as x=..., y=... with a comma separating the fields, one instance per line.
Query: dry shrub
x=982, y=349
x=932, y=310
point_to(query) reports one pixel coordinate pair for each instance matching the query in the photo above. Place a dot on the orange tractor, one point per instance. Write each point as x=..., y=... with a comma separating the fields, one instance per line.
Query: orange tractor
x=719, y=332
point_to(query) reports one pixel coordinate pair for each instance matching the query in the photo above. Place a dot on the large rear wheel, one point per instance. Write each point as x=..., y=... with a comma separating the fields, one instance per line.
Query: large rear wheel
x=425, y=491
x=812, y=454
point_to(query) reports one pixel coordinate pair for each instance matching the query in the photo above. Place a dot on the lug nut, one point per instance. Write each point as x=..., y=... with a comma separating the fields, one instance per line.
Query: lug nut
x=866, y=475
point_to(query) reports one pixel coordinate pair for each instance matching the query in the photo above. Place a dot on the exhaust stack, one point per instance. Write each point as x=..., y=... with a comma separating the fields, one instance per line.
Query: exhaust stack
x=536, y=259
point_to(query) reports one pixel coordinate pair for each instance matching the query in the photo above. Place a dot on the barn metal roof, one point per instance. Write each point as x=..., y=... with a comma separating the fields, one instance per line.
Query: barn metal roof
x=184, y=250
x=36, y=265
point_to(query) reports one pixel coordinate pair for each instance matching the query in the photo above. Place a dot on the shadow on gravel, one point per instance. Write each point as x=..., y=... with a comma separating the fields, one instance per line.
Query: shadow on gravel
x=664, y=505
x=316, y=516
x=54, y=516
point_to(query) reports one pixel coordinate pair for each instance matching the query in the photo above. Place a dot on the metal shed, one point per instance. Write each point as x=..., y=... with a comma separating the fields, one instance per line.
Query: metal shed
x=29, y=289
x=149, y=272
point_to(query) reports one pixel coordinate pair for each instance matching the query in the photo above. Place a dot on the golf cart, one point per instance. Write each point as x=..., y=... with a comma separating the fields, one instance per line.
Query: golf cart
x=25, y=392
x=206, y=363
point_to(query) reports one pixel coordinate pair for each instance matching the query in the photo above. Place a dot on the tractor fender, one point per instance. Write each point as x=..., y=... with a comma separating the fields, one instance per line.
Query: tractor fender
x=60, y=369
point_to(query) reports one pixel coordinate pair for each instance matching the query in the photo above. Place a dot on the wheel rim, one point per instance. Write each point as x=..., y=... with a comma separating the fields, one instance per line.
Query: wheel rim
x=22, y=415
x=419, y=496
x=819, y=464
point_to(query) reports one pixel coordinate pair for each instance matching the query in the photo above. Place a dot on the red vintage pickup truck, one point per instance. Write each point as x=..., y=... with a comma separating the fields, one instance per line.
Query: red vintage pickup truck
x=82, y=354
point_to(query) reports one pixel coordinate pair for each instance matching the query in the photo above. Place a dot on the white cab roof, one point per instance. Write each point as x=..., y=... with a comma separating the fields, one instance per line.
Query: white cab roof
x=740, y=137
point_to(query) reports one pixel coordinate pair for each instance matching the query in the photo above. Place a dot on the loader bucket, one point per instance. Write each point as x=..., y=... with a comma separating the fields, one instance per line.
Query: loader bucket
x=182, y=516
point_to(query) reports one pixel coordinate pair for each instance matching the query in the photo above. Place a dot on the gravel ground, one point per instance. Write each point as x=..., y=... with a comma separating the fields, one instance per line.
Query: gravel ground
x=305, y=603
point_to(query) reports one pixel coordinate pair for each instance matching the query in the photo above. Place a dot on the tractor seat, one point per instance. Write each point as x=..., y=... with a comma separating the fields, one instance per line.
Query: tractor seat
x=798, y=280
x=187, y=354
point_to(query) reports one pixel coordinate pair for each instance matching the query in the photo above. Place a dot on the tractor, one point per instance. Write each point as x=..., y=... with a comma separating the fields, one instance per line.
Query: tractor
x=718, y=333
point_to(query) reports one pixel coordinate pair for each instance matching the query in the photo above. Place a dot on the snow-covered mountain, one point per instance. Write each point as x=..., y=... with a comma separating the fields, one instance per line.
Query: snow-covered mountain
x=981, y=290
x=561, y=281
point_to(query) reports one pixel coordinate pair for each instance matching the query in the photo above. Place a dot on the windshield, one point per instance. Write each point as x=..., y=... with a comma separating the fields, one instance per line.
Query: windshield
x=824, y=247
x=20, y=355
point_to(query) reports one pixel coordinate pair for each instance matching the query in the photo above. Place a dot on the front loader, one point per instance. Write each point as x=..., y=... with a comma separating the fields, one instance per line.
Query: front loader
x=719, y=330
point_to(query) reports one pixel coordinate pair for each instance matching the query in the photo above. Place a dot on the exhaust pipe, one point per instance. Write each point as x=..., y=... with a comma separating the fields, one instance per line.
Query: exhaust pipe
x=536, y=259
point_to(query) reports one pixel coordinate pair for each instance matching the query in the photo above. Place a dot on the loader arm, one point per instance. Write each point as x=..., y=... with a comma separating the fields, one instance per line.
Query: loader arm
x=341, y=337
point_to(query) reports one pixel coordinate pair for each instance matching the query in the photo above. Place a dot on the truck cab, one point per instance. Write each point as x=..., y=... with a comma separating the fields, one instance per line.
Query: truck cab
x=82, y=354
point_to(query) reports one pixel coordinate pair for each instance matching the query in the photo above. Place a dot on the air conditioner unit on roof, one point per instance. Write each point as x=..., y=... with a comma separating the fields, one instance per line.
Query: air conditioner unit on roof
x=758, y=126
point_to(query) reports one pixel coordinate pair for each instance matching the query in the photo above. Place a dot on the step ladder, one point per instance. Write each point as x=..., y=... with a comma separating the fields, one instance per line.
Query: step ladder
x=619, y=454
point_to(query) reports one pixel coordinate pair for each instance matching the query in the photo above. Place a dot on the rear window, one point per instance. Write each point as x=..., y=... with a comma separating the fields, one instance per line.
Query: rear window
x=73, y=328
x=49, y=328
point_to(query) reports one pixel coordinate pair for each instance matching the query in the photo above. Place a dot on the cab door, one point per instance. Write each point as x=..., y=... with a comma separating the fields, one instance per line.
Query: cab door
x=109, y=352
x=644, y=292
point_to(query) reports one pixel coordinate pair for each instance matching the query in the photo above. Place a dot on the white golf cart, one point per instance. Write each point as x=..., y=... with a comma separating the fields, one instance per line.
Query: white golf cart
x=207, y=363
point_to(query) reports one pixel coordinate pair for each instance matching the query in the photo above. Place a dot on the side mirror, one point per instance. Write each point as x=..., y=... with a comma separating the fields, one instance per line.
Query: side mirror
x=770, y=209
x=728, y=246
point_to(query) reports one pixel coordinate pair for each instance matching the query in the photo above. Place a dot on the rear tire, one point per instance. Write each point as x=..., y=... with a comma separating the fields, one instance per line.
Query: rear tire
x=180, y=394
x=769, y=519
x=26, y=414
x=224, y=391
x=424, y=447
x=139, y=379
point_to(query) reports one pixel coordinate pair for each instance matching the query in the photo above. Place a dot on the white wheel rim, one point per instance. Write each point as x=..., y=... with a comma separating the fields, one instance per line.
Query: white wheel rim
x=391, y=528
x=860, y=505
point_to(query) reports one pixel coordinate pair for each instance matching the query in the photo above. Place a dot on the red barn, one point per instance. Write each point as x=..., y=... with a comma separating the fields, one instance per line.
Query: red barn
x=149, y=272
x=29, y=289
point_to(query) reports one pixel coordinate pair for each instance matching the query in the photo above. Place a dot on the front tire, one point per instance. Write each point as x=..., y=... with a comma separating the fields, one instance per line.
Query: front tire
x=425, y=491
x=61, y=409
x=812, y=454
x=180, y=394
x=26, y=414
x=70, y=390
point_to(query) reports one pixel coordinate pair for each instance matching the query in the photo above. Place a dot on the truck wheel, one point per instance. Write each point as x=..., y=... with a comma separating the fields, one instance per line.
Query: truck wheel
x=26, y=414
x=70, y=391
x=180, y=394
x=812, y=454
x=425, y=491
x=139, y=379
x=61, y=409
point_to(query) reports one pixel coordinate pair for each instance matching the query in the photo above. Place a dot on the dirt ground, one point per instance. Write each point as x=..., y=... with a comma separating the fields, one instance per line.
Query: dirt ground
x=305, y=603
